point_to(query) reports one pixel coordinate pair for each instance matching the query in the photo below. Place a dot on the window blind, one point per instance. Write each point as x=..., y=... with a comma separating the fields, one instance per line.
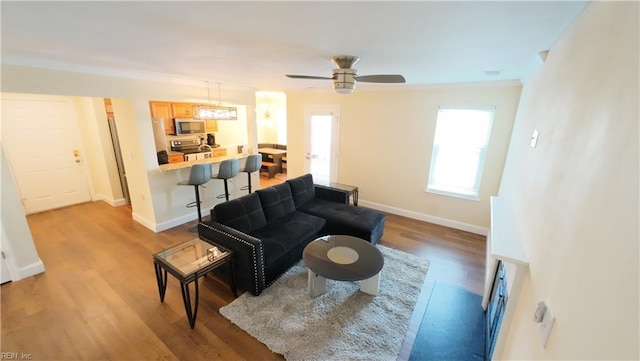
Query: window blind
x=459, y=150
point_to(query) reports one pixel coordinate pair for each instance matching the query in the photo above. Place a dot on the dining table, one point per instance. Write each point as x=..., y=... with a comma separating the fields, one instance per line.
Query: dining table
x=273, y=155
x=272, y=151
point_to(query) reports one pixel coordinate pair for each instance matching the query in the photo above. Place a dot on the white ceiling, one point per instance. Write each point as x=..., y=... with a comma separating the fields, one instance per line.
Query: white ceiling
x=257, y=43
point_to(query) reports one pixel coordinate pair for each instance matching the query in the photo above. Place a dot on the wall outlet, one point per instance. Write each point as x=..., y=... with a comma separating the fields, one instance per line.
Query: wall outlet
x=534, y=138
x=545, y=327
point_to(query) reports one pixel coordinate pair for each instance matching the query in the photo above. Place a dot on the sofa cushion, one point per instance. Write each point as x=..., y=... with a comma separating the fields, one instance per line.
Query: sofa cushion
x=287, y=232
x=347, y=219
x=302, y=189
x=244, y=214
x=276, y=201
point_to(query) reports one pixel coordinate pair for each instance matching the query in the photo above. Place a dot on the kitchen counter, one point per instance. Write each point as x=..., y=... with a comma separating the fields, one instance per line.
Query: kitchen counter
x=214, y=160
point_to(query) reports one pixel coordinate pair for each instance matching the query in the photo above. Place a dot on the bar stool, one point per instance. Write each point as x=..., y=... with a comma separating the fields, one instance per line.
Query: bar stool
x=253, y=164
x=199, y=175
x=228, y=169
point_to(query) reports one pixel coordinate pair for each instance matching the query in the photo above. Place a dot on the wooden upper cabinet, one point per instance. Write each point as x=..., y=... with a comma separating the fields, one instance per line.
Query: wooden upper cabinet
x=160, y=110
x=108, y=107
x=182, y=110
x=163, y=110
x=211, y=126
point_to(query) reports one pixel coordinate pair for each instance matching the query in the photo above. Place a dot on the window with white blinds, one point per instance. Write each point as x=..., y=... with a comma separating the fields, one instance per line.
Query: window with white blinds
x=459, y=150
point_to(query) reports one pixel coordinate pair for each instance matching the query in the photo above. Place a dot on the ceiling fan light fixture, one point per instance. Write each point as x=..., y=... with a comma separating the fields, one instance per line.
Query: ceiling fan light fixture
x=345, y=77
x=344, y=80
x=345, y=90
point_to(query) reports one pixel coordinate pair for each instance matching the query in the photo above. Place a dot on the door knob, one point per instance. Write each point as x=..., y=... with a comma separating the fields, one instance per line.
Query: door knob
x=77, y=160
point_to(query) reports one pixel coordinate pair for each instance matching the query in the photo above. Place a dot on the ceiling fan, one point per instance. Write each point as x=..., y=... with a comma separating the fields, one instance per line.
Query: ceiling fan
x=345, y=77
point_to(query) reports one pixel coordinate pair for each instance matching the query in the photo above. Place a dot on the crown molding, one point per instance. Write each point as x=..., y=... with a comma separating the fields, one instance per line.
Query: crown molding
x=136, y=75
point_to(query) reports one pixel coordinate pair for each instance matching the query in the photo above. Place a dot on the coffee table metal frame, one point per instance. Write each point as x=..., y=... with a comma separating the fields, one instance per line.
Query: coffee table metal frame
x=162, y=266
x=365, y=269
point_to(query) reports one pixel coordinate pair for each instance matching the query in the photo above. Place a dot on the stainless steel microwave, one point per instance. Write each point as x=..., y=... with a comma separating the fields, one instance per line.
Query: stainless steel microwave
x=189, y=126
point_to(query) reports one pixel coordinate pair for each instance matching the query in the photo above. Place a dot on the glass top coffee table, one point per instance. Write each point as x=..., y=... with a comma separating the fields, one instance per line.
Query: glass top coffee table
x=187, y=262
x=342, y=258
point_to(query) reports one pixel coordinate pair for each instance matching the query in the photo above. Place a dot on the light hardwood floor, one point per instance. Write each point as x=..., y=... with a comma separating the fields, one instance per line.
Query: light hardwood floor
x=98, y=298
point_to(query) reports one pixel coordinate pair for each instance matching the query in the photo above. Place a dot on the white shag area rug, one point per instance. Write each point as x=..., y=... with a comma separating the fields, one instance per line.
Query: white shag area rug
x=342, y=324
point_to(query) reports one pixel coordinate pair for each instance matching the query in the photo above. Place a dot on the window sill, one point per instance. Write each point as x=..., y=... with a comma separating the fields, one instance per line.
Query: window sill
x=453, y=195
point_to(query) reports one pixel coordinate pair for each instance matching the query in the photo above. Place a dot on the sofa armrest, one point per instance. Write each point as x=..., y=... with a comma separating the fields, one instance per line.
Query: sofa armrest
x=331, y=194
x=248, y=251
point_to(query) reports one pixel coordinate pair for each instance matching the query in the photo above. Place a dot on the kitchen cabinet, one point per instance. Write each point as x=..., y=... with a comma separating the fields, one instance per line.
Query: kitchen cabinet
x=160, y=109
x=211, y=126
x=176, y=158
x=170, y=110
x=182, y=110
x=108, y=107
x=219, y=152
x=163, y=110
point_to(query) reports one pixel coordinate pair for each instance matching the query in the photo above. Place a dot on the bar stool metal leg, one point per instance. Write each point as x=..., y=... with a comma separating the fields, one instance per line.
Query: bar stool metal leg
x=253, y=164
x=228, y=169
x=198, y=175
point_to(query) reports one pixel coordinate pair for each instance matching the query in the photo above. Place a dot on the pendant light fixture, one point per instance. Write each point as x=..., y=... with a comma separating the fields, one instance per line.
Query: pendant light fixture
x=214, y=112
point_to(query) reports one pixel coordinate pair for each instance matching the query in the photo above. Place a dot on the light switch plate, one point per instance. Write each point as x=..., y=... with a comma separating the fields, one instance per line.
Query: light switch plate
x=534, y=138
x=545, y=327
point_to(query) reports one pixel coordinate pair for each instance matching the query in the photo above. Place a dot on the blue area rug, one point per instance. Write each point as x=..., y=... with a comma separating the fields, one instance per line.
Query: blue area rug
x=452, y=328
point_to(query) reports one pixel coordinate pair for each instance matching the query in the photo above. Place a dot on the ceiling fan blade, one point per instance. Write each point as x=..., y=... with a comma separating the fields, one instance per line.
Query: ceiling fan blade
x=308, y=77
x=381, y=78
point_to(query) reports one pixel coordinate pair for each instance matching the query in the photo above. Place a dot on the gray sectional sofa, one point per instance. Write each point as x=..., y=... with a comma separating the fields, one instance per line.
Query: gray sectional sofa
x=268, y=229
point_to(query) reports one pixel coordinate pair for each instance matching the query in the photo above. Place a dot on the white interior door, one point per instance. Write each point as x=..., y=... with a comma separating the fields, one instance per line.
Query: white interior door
x=322, y=143
x=44, y=148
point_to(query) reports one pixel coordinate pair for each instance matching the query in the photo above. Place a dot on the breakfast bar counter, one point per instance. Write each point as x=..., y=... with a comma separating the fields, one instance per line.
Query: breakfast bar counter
x=188, y=164
x=170, y=200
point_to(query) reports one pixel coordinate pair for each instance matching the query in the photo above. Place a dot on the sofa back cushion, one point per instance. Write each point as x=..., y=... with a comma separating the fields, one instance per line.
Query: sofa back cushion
x=244, y=214
x=276, y=201
x=302, y=189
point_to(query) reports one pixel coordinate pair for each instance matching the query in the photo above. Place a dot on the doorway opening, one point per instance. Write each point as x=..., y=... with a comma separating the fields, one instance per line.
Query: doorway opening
x=117, y=151
x=322, y=126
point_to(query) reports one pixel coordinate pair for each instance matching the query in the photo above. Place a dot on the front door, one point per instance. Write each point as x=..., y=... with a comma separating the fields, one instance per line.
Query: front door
x=322, y=125
x=44, y=147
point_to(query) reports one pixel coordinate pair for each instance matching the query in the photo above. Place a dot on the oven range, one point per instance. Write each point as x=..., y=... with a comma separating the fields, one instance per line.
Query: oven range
x=192, y=149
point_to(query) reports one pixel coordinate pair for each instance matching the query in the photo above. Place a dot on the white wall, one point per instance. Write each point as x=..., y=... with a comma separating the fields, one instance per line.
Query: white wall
x=232, y=133
x=17, y=242
x=575, y=196
x=386, y=138
x=271, y=117
x=100, y=155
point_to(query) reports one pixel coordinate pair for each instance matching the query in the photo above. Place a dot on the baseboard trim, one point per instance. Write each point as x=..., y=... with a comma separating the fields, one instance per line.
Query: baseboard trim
x=163, y=226
x=143, y=221
x=112, y=202
x=426, y=218
x=30, y=270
